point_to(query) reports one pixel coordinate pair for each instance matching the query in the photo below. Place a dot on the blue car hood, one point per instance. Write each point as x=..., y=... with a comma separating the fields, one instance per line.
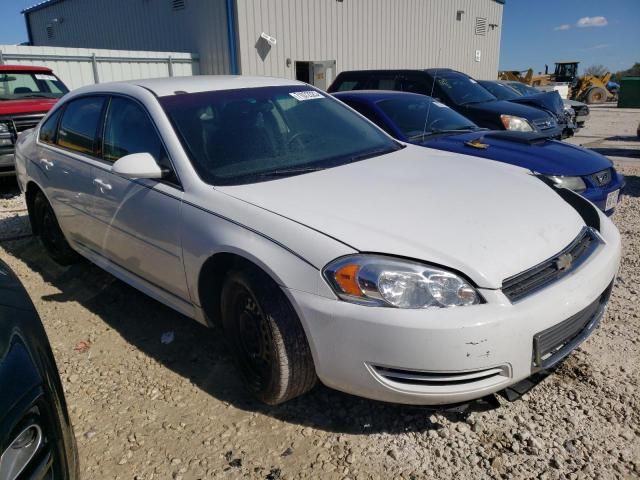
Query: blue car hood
x=549, y=157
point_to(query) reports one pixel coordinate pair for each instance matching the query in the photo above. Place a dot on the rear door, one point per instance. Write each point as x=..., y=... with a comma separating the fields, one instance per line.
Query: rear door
x=139, y=219
x=66, y=147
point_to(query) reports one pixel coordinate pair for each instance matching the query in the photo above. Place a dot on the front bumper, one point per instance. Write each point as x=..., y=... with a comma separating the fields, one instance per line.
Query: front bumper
x=458, y=354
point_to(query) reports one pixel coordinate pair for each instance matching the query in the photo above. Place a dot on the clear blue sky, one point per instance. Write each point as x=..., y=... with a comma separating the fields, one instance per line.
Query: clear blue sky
x=539, y=32
x=533, y=32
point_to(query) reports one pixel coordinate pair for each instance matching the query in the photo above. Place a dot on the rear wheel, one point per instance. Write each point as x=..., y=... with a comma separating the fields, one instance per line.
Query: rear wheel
x=48, y=230
x=266, y=337
x=597, y=95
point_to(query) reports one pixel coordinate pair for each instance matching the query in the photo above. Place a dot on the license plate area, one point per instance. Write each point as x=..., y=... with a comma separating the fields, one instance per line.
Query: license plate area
x=612, y=200
x=556, y=342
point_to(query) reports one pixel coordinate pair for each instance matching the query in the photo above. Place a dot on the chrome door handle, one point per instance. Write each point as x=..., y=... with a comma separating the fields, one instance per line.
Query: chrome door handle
x=102, y=184
x=46, y=164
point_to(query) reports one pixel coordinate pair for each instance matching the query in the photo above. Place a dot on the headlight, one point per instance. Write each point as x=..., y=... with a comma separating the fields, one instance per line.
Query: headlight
x=387, y=282
x=516, y=124
x=571, y=183
x=4, y=127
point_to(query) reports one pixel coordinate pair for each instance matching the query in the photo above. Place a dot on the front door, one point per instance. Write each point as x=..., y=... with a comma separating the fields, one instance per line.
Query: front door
x=140, y=219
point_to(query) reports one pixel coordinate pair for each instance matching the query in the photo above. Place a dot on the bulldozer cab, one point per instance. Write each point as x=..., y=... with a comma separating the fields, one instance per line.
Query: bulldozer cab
x=566, y=71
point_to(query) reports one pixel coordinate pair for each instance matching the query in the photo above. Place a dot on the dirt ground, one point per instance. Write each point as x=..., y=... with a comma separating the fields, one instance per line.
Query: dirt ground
x=144, y=409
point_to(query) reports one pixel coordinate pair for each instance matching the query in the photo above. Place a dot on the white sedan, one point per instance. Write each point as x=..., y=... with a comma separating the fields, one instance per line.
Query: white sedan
x=325, y=249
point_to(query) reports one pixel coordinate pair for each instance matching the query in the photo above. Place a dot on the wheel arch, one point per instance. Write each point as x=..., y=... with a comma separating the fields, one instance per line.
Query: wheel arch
x=213, y=274
x=31, y=190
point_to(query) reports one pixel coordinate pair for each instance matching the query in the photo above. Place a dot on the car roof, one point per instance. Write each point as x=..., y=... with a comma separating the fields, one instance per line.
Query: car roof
x=23, y=68
x=162, y=87
x=430, y=71
x=377, y=95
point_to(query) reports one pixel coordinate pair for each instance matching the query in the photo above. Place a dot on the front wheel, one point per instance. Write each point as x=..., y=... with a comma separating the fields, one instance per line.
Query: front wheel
x=46, y=227
x=266, y=337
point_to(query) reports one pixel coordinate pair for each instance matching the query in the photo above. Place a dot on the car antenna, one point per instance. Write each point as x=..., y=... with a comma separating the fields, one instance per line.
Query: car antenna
x=433, y=86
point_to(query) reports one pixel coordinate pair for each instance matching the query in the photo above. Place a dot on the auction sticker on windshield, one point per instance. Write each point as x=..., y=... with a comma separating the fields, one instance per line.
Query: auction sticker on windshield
x=40, y=76
x=308, y=95
x=612, y=200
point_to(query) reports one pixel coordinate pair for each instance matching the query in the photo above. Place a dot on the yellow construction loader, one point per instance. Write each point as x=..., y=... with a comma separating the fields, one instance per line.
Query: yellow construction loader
x=588, y=88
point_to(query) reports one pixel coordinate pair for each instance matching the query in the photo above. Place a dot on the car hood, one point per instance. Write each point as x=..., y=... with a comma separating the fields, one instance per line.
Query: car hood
x=31, y=105
x=486, y=219
x=550, y=101
x=549, y=157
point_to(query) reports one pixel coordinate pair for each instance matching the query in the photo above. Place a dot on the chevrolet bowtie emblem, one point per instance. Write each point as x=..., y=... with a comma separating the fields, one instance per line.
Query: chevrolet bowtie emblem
x=563, y=262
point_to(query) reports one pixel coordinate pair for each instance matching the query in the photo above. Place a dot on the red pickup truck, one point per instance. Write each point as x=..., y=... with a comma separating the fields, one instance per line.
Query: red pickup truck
x=26, y=95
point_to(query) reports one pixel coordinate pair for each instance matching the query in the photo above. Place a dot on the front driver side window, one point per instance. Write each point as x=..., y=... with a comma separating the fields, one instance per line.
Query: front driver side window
x=128, y=129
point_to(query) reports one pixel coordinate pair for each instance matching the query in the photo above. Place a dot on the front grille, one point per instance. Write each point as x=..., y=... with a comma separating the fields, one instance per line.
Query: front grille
x=551, y=270
x=602, y=178
x=439, y=379
x=20, y=124
x=554, y=343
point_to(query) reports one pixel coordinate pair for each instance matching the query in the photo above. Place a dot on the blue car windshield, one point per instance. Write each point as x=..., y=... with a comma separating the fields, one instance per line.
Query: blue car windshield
x=462, y=90
x=256, y=134
x=500, y=90
x=417, y=117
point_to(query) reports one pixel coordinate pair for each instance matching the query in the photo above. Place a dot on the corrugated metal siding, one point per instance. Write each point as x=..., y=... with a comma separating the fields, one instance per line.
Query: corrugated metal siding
x=361, y=34
x=79, y=72
x=150, y=25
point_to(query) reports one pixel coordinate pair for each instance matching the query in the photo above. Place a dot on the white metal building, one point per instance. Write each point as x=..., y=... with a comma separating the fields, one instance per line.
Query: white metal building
x=310, y=40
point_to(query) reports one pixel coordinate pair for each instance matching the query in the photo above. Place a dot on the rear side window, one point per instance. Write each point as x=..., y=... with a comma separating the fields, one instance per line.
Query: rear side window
x=50, y=127
x=128, y=130
x=79, y=125
x=382, y=83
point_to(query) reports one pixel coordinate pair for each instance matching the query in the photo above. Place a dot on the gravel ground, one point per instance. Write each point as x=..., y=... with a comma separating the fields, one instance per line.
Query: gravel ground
x=144, y=409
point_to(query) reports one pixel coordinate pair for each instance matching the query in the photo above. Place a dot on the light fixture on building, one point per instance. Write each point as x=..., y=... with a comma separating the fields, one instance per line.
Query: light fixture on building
x=459, y=14
x=493, y=26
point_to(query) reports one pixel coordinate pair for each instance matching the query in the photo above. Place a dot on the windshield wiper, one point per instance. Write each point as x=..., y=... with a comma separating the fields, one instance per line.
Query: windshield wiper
x=437, y=132
x=35, y=95
x=370, y=154
x=285, y=172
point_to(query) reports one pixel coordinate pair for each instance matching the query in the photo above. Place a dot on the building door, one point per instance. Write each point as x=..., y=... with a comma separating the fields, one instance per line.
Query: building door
x=319, y=73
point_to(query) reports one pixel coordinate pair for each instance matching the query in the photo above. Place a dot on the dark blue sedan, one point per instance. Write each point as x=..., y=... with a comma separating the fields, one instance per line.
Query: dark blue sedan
x=421, y=120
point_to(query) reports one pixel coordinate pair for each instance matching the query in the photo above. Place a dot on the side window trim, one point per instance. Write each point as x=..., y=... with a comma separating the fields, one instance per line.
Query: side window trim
x=60, y=112
x=178, y=183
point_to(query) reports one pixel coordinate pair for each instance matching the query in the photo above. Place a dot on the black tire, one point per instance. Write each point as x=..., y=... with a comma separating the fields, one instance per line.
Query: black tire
x=265, y=337
x=597, y=95
x=47, y=229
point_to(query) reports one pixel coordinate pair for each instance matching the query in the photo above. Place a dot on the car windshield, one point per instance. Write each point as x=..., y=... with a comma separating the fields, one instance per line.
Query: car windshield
x=256, y=134
x=462, y=90
x=19, y=85
x=500, y=90
x=524, y=89
x=418, y=117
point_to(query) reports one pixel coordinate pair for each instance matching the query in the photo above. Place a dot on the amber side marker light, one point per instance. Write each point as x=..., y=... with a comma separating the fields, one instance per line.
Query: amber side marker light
x=346, y=278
